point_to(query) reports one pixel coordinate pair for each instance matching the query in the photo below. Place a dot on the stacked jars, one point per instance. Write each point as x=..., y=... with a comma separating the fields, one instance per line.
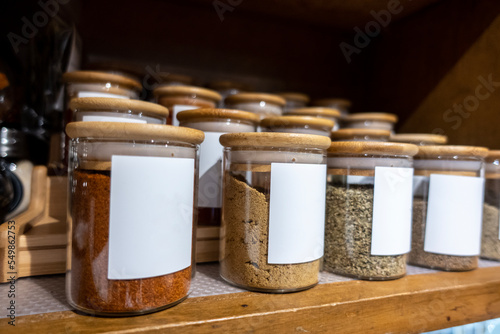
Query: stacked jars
x=214, y=122
x=180, y=98
x=124, y=176
x=342, y=105
x=447, y=207
x=260, y=103
x=368, y=209
x=272, y=235
x=360, y=135
x=294, y=101
x=419, y=138
x=490, y=241
x=320, y=112
x=370, y=120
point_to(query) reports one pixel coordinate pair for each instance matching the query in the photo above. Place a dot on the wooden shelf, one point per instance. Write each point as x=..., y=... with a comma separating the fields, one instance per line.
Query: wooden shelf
x=413, y=304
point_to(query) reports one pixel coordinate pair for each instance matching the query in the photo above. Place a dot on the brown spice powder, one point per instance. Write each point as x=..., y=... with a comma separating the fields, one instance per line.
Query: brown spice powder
x=245, y=245
x=91, y=290
x=422, y=258
x=490, y=243
x=348, y=235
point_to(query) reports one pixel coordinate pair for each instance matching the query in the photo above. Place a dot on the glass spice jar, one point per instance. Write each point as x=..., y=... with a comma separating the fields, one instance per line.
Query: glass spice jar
x=122, y=177
x=370, y=120
x=342, y=105
x=214, y=122
x=100, y=84
x=260, y=103
x=227, y=88
x=490, y=240
x=447, y=207
x=368, y=209
x=98, y=109
x=180, y=98
x=360, y=135
x=320, y=112
x=419, y=138
x=297, y=124
x=294, y=100
x=272, y=235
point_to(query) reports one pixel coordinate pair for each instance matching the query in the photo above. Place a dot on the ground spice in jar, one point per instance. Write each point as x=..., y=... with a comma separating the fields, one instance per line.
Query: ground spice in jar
x=91, y=290
x=348, y=234
x=244, y=262
x=490, y=242
x=422, y=258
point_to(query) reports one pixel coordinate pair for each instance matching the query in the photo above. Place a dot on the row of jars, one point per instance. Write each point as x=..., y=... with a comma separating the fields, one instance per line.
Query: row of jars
x=126, y=178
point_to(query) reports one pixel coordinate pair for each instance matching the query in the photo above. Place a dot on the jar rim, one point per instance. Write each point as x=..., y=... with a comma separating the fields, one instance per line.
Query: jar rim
x=274, y=139
x=133, y=131
x=414, y=138
x=371, y=116
x=437, y=151
x=188, y=90
x=372, y=148
x=283, y=121
x=256, y=97
x=315, y=111
x=294, y=96
x=350, y=133
x=216, y=114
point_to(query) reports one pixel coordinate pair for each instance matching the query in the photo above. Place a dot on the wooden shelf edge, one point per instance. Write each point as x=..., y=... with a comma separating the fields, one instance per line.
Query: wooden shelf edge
x=412, y=304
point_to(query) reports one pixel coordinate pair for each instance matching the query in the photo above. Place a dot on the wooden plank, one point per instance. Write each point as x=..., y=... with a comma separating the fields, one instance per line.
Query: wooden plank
x=409, y=305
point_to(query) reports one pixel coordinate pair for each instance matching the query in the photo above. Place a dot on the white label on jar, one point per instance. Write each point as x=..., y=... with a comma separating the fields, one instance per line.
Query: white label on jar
x=99, y=94
x=112, y=119
x=177, y=109
x=209, y=194
x=454, y=211
x=392, y=207
x=151, y=216
x=296, y=213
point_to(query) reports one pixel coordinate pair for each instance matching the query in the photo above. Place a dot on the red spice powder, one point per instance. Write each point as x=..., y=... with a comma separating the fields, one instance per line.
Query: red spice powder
x=90, y=289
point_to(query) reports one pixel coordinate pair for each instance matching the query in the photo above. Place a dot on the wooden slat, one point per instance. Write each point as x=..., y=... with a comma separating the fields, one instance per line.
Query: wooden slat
x=412, y=304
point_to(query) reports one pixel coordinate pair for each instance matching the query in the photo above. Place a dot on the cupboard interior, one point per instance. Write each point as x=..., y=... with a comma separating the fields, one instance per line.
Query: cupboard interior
x=425, y=64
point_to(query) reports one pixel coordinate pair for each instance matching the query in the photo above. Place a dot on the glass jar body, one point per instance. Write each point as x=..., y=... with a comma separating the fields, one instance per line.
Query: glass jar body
x=116, y=188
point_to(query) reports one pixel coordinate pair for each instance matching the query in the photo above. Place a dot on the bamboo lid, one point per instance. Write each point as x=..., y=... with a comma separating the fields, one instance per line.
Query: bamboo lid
x=293, y=96
x=328, y=102
x=315, y=111
x=493, y=155
x=188, y=90
x=371, y=116
x=435, y=151
x=281, y=121
x=98, y=77
x=255, y=97
x=274, y=139
x=353, y=133
x=133, y=131
x=106, y=104
x=417, y=138
x=372, y=148
x=207, y=113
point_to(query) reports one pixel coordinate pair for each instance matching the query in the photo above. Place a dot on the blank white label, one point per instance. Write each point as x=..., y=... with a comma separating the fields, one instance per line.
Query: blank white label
x=392, y=208
x=99, y=94
x=177, y=109
x=151, y=216
x=112, y=119
x=454, y=211
x=296, y=213
x=209, y=194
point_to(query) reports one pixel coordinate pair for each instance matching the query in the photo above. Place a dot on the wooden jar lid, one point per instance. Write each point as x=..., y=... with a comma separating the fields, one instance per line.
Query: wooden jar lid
x=256, y=97
x=100, y=77
x=343, y=134
x=133, y=131
x=188, y=90
x=274, y=139
x=296, y=97
x=371, y=116
x=328, y=102
x=493, y=155
x=315, y=111
x=435, y=151
x=372, y=148
x=283, y=121
x=106, y=104
x=214, y=113
x=417, y=138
